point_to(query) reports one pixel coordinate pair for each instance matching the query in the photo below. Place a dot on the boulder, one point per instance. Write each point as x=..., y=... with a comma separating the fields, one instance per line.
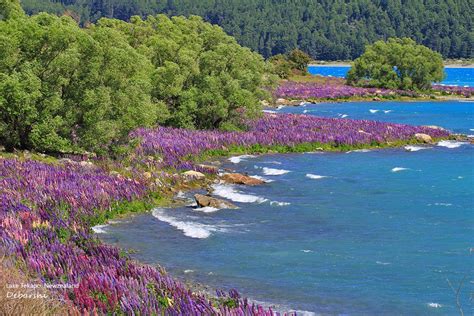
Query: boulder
x=206, y=200
x=423, y=138
x=193, y=175
x=237, y=178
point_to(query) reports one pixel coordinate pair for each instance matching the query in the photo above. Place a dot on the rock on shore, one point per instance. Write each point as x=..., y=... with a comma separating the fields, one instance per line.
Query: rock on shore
x=205, y=201
x=237, y=178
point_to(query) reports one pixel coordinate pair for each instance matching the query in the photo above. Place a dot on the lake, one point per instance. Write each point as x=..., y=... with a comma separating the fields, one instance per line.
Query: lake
x=462, y=76
x=359, y=233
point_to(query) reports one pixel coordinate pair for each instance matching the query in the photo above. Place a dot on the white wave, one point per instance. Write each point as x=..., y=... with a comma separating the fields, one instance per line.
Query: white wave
x=238, y=159
x=471, y=129
x=344, y=115
x=229, y=192
x=279, y=203
x=434, y=305
x=387, y=111
x=262, y=178
x=416, y=148
x=188, y=271
x=398, y=169
x=373, y=111
x=190, y=229
x=443, y=204
x=382, y=263
x=269, y=111
x=305, y=111
x=207, y=209
x=181, y=195
x=280, y=107
x=315, y=176
x=450, y=144
x=359, y=151
x=306, y=250
x=274, y=172
x=99, y=229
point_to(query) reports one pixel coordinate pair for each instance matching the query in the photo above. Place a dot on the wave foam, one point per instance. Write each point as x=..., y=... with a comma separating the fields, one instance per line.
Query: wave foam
x=229, y=192
x=387, y=111
x=207, y=209
x=279, y=203
x=262, y=178
x=373, y=111
x=450, y=144
x=190, y=229
x=382, y=263
x=315, y=176
x=274, y=172
x=359, y=151
x=398, y=169
x=99, y=229
x=416, y=148
x=434, y=305
x=238, y=159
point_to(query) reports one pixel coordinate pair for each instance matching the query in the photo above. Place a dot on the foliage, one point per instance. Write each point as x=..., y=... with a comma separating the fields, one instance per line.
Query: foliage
x=63, y=88
x=398, y=63
x=300, y=59
x=284, y=65
x=327, y=30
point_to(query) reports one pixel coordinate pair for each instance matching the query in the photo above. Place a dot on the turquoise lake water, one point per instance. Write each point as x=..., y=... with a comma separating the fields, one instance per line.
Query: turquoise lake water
x=454, y=76
x=358, y=233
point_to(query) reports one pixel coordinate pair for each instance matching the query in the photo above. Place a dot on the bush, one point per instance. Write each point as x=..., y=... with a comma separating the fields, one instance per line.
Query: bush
x=399, y=63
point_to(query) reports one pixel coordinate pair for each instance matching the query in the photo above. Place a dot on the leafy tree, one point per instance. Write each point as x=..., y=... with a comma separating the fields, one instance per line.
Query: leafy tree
x=66, y=88
x=62, y=88
x=281, y=66
x=398, y=63
x=201, y=73
x=300, y=59
x=10, y=8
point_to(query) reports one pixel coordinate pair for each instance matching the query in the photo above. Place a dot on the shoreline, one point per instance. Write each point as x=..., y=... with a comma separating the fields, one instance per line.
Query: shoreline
x=167, y=192
x=195, y=283
x=347, y=64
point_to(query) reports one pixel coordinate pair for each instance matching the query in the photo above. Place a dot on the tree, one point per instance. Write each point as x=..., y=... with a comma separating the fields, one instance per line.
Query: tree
x=64, y=88
x=300, y=59
x=327, y=30
x=398, y=63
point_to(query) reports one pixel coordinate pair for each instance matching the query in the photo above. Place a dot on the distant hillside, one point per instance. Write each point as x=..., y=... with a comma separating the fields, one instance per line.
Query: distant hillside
x=326, y=29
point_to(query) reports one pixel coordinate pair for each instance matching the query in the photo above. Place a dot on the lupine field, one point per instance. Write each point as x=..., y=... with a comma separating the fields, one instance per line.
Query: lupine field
x=329, y=88
x=177, y=145
x=46, y=211
x=464, y=91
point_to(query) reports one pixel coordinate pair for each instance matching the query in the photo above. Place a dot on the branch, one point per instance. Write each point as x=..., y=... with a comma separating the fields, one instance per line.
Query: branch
x=456, y=292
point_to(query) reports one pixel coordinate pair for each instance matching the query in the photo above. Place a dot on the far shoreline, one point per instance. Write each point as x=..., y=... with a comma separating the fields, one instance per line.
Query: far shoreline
x=346, y=64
